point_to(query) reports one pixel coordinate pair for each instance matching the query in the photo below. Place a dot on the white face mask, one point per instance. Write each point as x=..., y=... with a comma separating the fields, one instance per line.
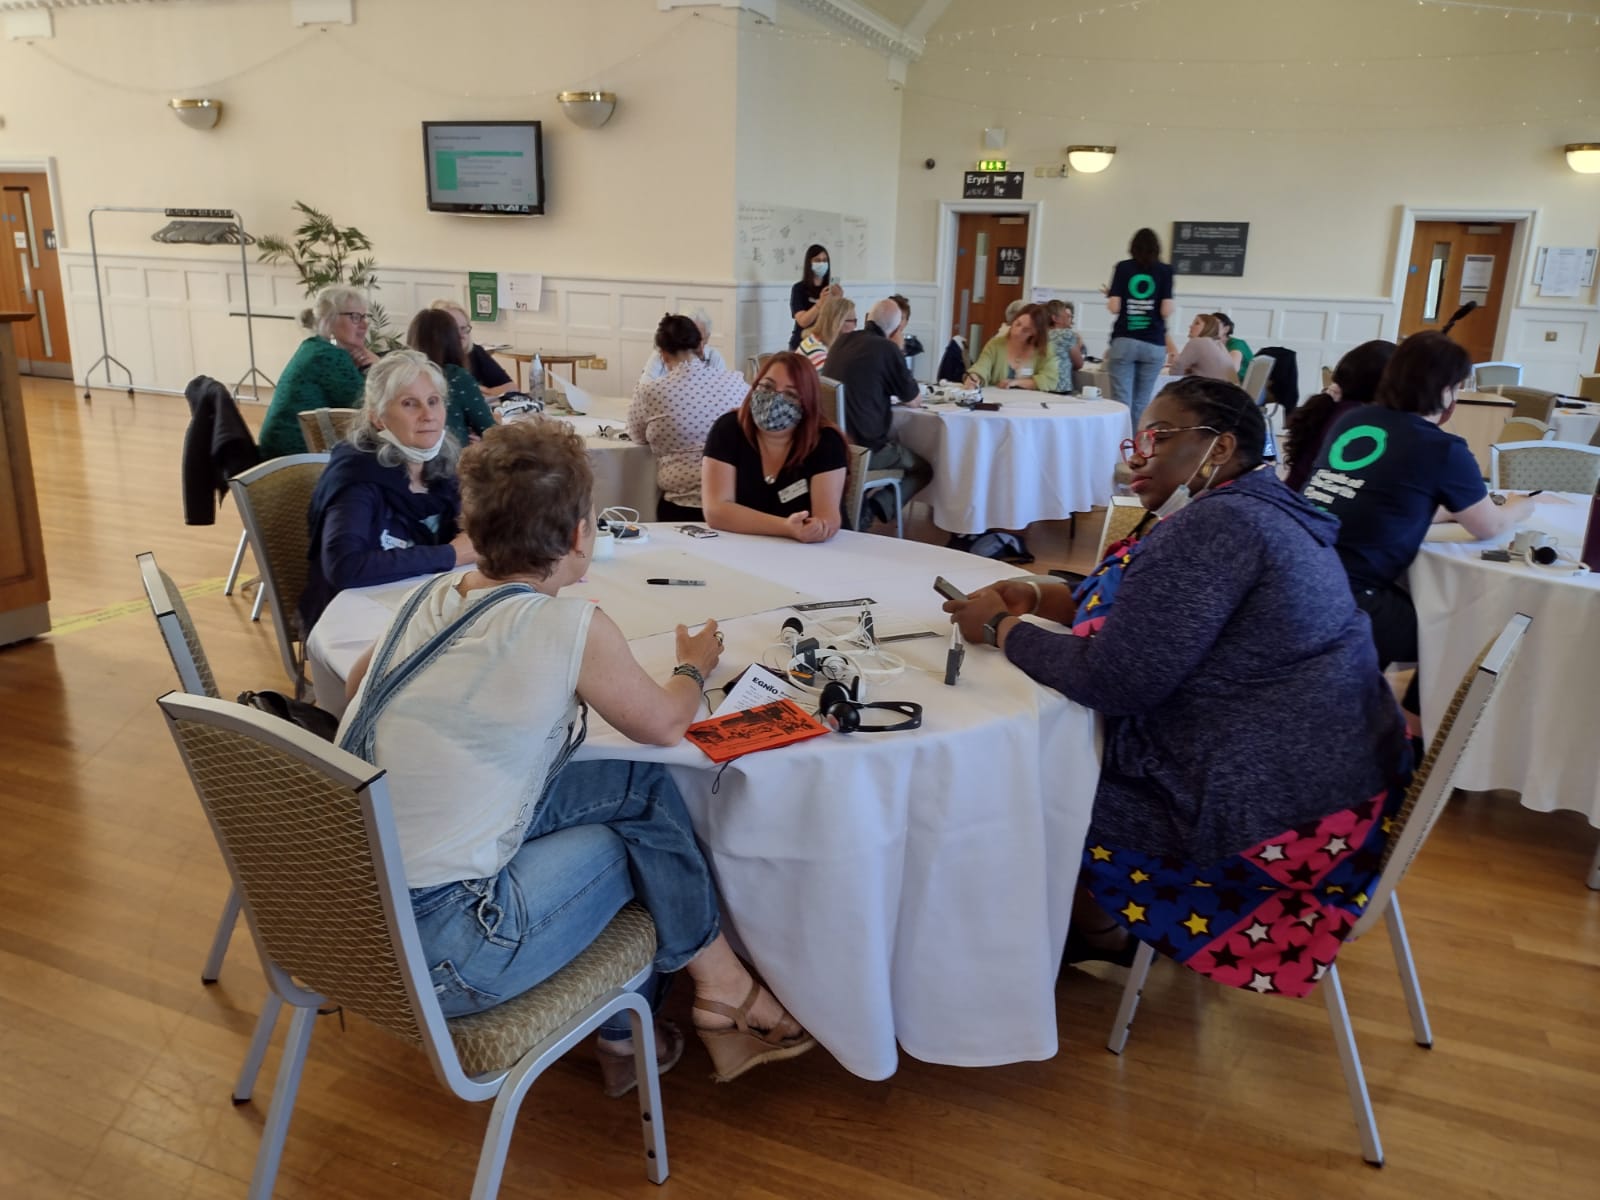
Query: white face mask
x=819, y=269
x=1180, y=498
x=412, y=454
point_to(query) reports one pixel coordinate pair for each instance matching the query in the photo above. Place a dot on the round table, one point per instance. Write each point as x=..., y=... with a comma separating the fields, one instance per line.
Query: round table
x=1042, y=457
x=909, y=888
x=1538, y=735
x=624, y=471
x=1576, y=424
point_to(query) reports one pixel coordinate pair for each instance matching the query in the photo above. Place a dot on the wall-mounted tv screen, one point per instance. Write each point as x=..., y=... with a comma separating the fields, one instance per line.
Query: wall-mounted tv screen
x=485, y=168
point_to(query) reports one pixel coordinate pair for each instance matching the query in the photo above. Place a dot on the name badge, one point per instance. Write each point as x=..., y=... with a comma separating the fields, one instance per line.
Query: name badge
x=794, y=491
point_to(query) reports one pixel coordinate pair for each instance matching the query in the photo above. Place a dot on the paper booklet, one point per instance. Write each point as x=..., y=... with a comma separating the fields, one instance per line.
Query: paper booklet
x=764, y=727
x=757, y=685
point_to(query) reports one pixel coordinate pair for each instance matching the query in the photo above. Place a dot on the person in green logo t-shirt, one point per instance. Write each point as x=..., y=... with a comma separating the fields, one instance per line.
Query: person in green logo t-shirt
x=1140, y=297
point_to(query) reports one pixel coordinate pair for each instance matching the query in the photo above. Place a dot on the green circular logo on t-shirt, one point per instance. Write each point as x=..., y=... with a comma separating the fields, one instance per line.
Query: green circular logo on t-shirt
x=1336, y=453
x=1141, y=287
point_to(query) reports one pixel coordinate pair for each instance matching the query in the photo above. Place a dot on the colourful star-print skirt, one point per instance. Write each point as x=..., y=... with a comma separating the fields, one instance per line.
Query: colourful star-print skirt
x=1271, y=919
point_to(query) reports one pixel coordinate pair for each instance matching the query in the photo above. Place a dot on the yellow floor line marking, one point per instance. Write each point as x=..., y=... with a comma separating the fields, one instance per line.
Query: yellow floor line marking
x=114, y=612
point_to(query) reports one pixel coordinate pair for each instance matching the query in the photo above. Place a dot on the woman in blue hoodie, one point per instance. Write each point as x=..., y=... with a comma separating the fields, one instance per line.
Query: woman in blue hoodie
x=1221, y=648
x=388, y=507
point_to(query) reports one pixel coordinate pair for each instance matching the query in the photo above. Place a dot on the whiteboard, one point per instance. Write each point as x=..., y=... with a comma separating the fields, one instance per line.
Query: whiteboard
x=772, y=240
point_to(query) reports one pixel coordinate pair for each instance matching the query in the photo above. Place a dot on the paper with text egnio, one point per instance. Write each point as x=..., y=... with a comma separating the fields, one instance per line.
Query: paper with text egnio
x=758, y=686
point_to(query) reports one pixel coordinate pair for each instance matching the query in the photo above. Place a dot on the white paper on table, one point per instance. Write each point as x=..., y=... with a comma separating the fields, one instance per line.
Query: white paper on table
x=759, y=685
x=577, y=399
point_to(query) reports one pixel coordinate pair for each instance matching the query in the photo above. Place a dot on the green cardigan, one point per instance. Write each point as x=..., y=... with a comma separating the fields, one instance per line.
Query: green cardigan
x=320, y=375
x=466, y=411
x=994, y=368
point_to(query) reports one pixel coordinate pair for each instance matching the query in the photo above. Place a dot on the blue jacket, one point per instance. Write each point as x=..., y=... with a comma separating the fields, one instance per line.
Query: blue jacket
x=1238, y=680
x=368, y=526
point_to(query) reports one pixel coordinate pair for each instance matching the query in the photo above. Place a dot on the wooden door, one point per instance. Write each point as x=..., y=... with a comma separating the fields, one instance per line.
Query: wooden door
x=24, y=588
x=1453, y=262
x=30, y=276
x=991, y=255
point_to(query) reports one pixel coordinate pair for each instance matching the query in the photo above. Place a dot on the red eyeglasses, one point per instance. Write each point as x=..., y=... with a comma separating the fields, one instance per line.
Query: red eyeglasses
x=1144, y=443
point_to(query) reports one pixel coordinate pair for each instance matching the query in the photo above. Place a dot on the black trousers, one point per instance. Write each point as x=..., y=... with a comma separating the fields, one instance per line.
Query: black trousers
x=666, y=510
x=1394, y=628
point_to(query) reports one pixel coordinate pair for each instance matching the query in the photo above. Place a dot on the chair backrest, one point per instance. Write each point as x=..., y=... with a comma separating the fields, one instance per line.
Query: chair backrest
x=309, y=837
x=1589, y=387
x=1552, y=466
x=1256, y=376
x=855, y=478
x=1123, y=515
x=1534, y=403
x=1327, y=377
x=177, y=629
x=1431, y=782
x=1524, y=429
x=832, y=397
x=1493, y=374
x=274, y=500
x=325, y=428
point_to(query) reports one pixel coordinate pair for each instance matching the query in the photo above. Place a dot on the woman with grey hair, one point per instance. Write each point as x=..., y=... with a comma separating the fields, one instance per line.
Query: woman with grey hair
x=656, y=367
x=388, y=507
x=325, y=371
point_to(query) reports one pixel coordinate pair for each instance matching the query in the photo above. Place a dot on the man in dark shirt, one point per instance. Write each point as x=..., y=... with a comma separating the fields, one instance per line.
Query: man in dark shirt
x=873, y=371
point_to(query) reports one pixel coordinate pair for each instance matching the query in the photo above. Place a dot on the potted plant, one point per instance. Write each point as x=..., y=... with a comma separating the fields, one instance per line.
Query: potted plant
x=322, y=253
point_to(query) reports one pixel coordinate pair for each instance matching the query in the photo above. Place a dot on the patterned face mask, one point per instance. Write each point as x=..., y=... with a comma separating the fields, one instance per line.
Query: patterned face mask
x=773, y=411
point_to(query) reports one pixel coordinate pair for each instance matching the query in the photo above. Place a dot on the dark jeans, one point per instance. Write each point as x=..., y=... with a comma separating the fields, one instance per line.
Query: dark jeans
x=892, y=456
x=666, y=510
x=1394, y=628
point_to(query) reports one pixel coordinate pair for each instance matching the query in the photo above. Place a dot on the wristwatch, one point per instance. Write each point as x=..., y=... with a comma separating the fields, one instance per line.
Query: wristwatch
x=1497, y=498
x=991, y=627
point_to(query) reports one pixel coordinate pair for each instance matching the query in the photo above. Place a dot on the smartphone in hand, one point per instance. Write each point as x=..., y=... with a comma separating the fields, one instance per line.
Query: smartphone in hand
x=947, y=589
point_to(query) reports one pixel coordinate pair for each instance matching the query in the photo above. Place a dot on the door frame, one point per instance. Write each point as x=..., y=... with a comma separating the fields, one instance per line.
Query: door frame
x=945, y=260
x=1525, y=224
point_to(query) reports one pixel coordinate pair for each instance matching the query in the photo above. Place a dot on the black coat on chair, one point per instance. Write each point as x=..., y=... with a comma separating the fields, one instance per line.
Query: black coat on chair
x=216, y=447
x=1283, y=385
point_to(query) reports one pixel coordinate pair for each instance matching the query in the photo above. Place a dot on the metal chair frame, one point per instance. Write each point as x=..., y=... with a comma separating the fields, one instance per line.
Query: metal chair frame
x=369, y=792
x=1430, y=791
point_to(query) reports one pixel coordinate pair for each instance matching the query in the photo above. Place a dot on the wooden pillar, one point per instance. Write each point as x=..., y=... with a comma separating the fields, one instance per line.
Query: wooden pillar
x=24, y=588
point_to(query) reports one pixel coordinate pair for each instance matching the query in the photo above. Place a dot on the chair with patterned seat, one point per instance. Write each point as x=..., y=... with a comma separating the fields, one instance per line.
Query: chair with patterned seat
x=325, y=428
x=310, y=840
x=1547, y=466
x=1425, y=800
x=274, y=500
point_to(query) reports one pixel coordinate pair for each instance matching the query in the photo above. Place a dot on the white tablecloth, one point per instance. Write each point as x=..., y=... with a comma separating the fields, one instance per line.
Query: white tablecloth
x=1539, y=735
x=910, y=887
x=1040, y=458
x=1576, y=425
x=624, y=473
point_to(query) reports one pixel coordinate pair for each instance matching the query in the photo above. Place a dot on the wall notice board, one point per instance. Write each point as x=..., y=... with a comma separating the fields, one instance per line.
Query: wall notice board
x=1209, y=247
x=771, y=240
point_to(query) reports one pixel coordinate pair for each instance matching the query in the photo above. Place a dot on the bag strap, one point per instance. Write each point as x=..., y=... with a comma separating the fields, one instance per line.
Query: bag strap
x=383, y=684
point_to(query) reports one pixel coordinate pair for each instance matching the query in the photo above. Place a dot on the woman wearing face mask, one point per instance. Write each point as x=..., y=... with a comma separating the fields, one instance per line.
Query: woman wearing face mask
x=776, y=464
x=388, y=506
x=1020, y=357
x=1217, y=640
x=815, y=285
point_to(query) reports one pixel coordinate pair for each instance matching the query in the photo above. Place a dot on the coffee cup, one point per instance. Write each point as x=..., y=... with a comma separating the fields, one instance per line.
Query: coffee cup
x=605, y=546
x=1528, y=541
x=1091, y=393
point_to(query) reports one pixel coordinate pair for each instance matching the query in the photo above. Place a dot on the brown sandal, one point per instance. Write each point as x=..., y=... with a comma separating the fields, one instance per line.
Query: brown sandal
x=741, y=1046
x=617, y=1072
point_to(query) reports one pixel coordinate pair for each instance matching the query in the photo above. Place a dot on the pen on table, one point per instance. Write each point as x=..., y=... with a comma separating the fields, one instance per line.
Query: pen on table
x=677, y=582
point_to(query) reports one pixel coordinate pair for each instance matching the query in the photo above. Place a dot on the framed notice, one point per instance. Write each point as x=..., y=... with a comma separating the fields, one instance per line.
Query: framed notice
x=483, y=295
x=1209, y=247
x=992, y=185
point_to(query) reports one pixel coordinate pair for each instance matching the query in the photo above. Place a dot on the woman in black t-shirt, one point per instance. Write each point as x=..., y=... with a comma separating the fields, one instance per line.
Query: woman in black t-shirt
x=776, y=464
x=1139, y=296
x=806, y=297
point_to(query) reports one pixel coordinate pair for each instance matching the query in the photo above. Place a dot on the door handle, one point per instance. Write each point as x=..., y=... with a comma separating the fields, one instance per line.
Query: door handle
x=44, y=325
x=27, y=276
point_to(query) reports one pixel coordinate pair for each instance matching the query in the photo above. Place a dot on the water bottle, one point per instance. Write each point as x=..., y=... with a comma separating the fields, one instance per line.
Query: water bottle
x=1591, y=535
x=536, y=380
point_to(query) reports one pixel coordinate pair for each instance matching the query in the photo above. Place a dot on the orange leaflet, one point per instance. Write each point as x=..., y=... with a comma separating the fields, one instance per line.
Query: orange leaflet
x=762, y=728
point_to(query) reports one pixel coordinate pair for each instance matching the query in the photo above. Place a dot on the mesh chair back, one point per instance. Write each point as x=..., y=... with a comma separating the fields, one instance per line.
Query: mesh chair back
x=1533, y=403
x=1524, y=429
x=325, y=428
x=177, y=629
x=831, y=399
x=1256, y=376
x=1494, y=374
x=294, y=819
x=274, y=500
x=1123, y=515
x=1552, y=466
x=1431, y=784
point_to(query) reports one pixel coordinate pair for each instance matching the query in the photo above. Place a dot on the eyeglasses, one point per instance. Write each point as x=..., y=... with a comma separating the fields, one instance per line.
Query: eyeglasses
x=358, y=318
x=464, y=330
x=1143, y=444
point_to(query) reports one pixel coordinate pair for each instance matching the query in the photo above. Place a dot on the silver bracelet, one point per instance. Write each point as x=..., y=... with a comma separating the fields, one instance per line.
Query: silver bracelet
x=693, y=672
x=1038, y=596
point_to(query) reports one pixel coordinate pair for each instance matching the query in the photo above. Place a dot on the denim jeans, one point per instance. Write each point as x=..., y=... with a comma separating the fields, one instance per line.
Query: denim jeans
x=605, y=833
x=892, y=456
x=1133, y=367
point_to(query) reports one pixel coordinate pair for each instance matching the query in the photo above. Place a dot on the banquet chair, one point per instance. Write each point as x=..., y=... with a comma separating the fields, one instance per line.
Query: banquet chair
x=1327, y=377
x=309, y=837
x=1589, y=388
x=1535, y=403
x=324, y=428
x=1551, y=466
x=178, y=631
x=1123, y=516
x=1256, y=376
x=859, y=479
x=1493, y=374
x=831, y=397
x=1525, y=429
x=1424, y=801
x=274, y=499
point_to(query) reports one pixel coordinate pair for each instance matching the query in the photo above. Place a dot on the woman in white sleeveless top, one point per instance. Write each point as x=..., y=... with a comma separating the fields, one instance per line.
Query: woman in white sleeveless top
x=517, y=858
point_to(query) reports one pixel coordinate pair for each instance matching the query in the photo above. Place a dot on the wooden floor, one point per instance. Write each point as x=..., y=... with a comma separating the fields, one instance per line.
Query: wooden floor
x=116, y=1064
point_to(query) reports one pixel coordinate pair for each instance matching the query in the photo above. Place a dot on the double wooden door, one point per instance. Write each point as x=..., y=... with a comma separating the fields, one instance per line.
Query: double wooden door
x=30, y=277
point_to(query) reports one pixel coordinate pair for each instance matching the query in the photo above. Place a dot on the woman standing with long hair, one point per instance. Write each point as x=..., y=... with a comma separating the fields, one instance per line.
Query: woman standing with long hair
x=815, y=285
x=1140, y=298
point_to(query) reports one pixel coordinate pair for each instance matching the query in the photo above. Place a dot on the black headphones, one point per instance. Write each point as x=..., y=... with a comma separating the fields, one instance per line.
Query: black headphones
x=841, y=712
